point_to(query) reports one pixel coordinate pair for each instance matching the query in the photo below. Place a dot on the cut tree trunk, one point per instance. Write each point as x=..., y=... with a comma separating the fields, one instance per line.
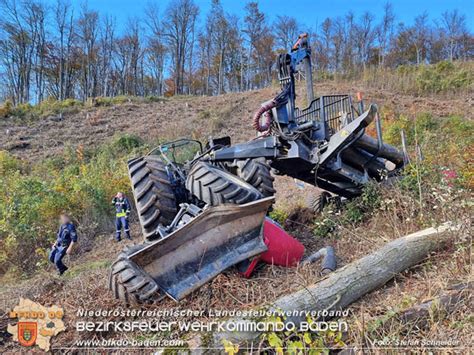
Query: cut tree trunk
x=346, y=285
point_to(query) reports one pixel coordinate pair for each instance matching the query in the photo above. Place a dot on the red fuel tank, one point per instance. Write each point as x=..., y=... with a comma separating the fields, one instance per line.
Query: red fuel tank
x=283, y=249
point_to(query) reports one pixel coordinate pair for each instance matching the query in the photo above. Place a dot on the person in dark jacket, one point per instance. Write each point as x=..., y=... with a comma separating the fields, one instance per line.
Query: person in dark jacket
x=122, y=212
x=66, y=238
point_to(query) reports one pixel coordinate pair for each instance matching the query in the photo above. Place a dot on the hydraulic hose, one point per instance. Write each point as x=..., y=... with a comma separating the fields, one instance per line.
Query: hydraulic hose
x=264, y=110
x=328, y=263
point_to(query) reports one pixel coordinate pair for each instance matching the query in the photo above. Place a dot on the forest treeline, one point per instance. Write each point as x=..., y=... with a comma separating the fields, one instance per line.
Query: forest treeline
x=60, y=51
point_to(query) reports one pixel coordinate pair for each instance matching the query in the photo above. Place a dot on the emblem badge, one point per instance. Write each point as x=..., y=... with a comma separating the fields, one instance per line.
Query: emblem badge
x=27, y=332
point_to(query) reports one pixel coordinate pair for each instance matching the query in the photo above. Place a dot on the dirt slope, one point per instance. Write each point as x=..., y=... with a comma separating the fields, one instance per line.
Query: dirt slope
x=197, y=117
x=176, y=117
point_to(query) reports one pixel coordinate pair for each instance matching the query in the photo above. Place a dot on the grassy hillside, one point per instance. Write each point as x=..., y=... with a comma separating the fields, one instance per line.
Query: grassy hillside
x=443, y=78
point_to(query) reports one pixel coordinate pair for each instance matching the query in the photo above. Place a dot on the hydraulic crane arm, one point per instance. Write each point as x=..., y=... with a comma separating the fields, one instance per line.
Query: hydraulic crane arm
x=288, y=63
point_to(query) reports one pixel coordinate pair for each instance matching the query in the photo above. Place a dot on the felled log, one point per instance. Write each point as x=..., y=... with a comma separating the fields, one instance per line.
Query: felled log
x=446, y=303
x=346, y=285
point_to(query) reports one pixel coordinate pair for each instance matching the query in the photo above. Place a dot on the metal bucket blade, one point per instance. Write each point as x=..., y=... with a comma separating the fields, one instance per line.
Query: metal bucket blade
x=217, y=239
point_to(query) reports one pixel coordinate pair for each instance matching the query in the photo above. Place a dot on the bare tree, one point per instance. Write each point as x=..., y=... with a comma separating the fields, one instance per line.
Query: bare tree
x=455, y=26
x=384, y=31
x=326, y=39
x=286, y=31
x=36, y=15
x=156, y=49
x=22, y=45
x=64, y=26
x=206, y=44
x=128, y=60
x=260, y=56
x=179, y=24
x=106, y=50
x=349, y=42
x=420, y=35
x=338, y=39
x=365, y=36
x=88, y=28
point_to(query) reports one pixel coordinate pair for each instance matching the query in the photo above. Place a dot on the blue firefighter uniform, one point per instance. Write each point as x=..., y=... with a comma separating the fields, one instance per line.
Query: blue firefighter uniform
x=122, y=210
x=66, y=234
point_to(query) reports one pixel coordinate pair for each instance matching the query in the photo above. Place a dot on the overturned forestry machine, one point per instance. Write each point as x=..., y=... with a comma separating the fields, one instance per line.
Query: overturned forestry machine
x=202, y=208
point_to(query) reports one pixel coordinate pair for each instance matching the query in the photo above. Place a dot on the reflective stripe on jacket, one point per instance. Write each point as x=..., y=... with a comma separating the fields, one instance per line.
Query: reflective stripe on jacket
x=122, y=206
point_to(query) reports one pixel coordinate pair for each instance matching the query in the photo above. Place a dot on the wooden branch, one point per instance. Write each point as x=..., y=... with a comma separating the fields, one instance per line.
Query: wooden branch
x=447, y=302
x=346, y=285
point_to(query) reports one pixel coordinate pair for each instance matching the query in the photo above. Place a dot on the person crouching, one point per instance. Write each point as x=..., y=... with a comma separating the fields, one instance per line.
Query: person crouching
x=66, y=238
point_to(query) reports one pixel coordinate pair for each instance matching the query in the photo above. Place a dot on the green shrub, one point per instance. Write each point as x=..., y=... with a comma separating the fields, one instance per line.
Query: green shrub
x=361, y=207
x=127, y=142
x=353, y=212
x=151, y=98
x=443, y=76
x=444, y=142
x=414, y=175
x=370, y=198
x=279, y=215
x=456, y=126
x=31, y=198
x=121, y=99
x=69, y=103
x=405, y=69
x=103, y=101
x=323, y=226
x=9, y=164
x=52, y=106
x=22, y=110
x=46, y=108
x=6, y=109
x=418, y=128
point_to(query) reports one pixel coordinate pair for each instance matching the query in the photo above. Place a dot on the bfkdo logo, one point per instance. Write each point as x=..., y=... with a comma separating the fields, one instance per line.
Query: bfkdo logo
x=36, y=324
x=27, y=332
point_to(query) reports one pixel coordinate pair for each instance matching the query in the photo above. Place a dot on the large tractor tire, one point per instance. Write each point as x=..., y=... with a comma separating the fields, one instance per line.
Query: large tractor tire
x=256, y=172
x=153, y=193
x=215, y=186
x=129, y=283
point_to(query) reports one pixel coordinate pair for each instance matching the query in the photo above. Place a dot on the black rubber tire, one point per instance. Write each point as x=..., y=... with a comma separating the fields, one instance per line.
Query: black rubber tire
x=215, y=186
x=319, y=201
x=129, y=283
x=153, y=194
x=256, y=172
